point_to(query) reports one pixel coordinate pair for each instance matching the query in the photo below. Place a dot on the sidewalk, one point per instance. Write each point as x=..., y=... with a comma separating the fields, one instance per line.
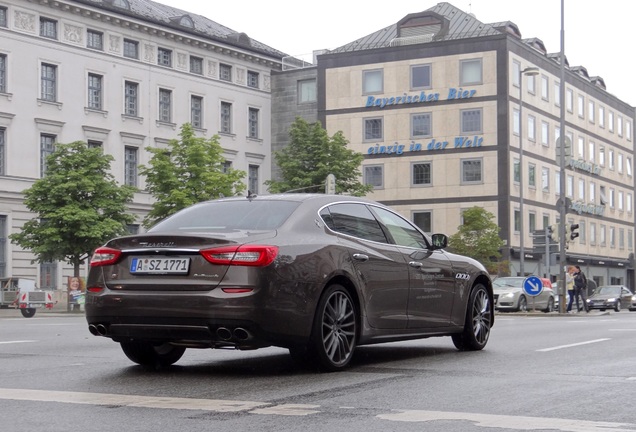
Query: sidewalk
x=60, y=309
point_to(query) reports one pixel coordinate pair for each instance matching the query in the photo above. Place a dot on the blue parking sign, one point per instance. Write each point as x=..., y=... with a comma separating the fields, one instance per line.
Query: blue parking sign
x=532, y=286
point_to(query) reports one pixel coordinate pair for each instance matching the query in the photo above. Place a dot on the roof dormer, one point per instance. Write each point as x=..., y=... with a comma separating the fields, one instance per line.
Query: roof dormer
x=184, y=21
x=122, y=4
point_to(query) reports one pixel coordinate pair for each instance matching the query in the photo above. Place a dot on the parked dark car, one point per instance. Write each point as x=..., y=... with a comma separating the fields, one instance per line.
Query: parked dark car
x=316, y=274
x=611, y=297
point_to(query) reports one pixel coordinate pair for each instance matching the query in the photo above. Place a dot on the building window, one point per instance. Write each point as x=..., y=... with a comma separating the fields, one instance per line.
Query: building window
x=516, y=171
x=532, y=221
x=471, y=171
x=591, y=151
x=592, y=234
x=581, y=190
x=591, y=111
x=628, y=130
x=3, y=73
x=517, y=221
x=545, y=133
x=620, y=126
x=226, y=166
x=3, y=150
x=612, y=237
x=253, y=179
x=373, y=129
x=619, y=162
x=628, y=203
x=372, y=81
x=307, y=91
x=49, y=82
x=569, y=100
x=621, y=200
x=95, y=39
x=516, y=122
x=252, y=79
x=601, y=116
x=131, y=49
x=612, y=194
x=94, y=91
x=48, y=28
x=420, y=77
x=423, y=220
x=545, y=179
x=164, y=57
x=92, y=144
x=165, y=105
x=470, y=72
x=130, y=166
x=531, y=84
x=48, y=275
x=226, y=117
x=610, y=121
x=569, y=186
x=581, y=148
x=131, y=101
x=545, y=88
x=557, y=94
x=133, y=229
x=628, y=166
x=532, y=128
x=252, y=122
x=3, y=16
x=225, y=72
x=196, y=111
x=532, y=175
x=471, y=121
x=610, y=159
x=581, y=106
x=421, y=174
x=603, y=235
x=516, y=73
x=47, y=147
x=374, y=176
x=592, y=192
x=421, y=125
x=196, y=65
x=601, y=156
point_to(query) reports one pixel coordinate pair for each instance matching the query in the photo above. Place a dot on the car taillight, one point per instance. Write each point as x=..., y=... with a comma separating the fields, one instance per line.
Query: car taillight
x=246, y=255
x=105, y=256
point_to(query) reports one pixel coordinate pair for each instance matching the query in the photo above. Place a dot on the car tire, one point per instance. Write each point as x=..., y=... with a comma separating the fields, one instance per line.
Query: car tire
x=28, y=312
x=550, y=307
x=617, y=306
x=335, y=330
x=523, y=304
x=146, y=354
x=479, y=320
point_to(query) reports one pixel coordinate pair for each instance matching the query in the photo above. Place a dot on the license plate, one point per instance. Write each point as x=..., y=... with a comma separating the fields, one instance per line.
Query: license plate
x=159, y=265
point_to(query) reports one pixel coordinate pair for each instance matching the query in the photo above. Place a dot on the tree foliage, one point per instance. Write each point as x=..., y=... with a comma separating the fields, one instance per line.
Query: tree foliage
x=78, y=206
x=311, y=156
x=478, y=238
x=189, y=171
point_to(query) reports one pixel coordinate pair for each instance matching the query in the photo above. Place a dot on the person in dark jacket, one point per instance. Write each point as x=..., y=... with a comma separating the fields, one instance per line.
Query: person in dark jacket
x=580, y=288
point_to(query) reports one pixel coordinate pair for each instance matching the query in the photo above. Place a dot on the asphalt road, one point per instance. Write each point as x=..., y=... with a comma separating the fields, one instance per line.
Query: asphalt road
x=539, y=372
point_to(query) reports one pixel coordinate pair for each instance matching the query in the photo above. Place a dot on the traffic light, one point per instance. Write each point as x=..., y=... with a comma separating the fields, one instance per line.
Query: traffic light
x=553, y=232
x=573, y=233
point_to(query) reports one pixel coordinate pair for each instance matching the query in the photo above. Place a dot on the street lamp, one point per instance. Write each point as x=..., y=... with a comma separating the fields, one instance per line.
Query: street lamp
x=529, y=71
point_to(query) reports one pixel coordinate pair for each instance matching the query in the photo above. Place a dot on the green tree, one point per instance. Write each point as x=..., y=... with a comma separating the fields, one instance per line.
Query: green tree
x=78, y=206
x=312, y=155
x=479, y=238
x=189, y=171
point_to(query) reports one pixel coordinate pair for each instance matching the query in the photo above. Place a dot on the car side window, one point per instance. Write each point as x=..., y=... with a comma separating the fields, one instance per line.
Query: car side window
x=402, y=232
x=354, y=220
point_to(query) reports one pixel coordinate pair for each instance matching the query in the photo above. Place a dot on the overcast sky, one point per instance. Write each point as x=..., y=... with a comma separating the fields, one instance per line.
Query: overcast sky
x=598, y=34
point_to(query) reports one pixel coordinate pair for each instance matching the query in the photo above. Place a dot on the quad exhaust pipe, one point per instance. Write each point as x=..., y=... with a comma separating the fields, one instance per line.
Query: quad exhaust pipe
x=98, y=329
x=238, y=333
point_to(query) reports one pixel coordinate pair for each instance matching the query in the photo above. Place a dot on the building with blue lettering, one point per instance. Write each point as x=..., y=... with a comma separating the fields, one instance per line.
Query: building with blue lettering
x=448, y=117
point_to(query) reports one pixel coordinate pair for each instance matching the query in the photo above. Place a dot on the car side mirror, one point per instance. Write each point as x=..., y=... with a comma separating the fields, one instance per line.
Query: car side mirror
x=440, y=241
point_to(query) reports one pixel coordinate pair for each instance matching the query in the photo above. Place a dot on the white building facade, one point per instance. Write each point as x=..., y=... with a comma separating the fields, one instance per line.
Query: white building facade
x=122, y=75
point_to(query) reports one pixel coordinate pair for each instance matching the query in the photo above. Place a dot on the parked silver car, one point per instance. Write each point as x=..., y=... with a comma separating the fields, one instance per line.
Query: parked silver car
x=509, y=295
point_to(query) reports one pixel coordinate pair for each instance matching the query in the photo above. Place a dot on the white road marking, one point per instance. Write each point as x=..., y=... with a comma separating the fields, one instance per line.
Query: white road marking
x=573, y=345
x=128, y=400
x=17, y=341
x=511, y=422
x=288, y=409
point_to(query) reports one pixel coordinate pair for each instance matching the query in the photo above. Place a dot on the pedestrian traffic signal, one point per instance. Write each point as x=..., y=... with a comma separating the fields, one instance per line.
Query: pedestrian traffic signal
x=553, y=232
x=573, y=233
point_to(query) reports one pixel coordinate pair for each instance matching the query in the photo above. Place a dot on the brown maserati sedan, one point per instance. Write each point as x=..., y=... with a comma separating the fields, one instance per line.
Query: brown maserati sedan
x=317, y=274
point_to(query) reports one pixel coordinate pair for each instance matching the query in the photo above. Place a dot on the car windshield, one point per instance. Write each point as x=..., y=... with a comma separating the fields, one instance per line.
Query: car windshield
x=609, y=290
x=508, y=282
x=229, y=215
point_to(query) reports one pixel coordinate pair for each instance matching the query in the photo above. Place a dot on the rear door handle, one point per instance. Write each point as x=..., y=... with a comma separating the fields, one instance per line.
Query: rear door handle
x=415, y=264
x=360, y=257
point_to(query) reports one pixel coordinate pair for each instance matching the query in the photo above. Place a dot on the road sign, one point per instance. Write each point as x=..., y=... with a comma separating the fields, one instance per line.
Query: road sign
x=568, y=147
x=532, y=286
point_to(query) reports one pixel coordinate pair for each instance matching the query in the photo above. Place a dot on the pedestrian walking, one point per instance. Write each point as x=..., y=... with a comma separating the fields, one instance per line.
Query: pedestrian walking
x=580, y=288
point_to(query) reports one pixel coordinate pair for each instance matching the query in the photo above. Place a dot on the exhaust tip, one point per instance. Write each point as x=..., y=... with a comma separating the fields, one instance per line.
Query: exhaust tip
x=101, y=329
x=224, y=333
x=241, y=334
x=93, y=329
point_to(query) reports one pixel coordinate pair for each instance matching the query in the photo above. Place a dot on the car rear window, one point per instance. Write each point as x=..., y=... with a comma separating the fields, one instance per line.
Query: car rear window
x=229, y=215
